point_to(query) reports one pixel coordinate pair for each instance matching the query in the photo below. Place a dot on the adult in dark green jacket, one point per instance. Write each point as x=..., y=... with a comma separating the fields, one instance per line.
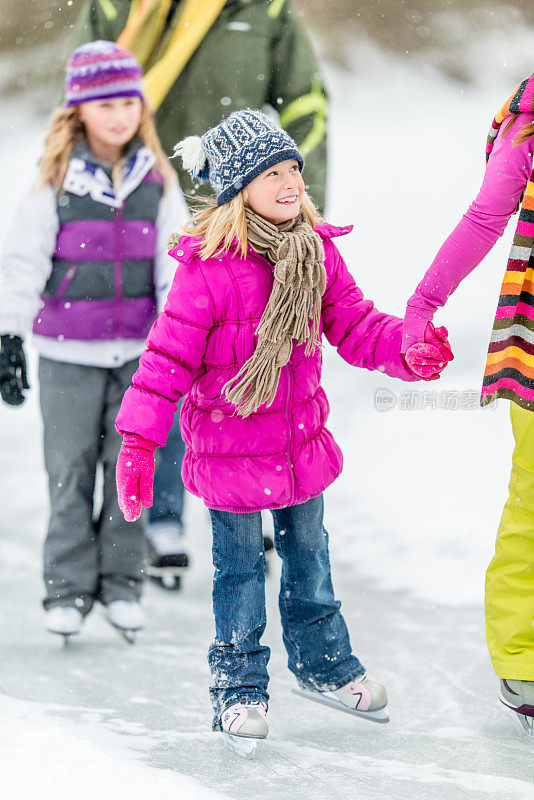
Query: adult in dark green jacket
x=255, y=53
x=204, y=59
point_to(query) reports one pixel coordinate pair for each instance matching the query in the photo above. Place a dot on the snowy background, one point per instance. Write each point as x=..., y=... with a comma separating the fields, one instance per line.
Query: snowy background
x=412, y=519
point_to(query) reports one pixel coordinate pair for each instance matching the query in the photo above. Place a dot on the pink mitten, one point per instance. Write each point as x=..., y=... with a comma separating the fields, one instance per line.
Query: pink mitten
x=427, y=359
x=135, y=475
x=439, y=338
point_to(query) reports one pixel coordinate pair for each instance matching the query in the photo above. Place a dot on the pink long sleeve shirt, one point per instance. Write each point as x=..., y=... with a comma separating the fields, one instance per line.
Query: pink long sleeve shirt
x=505, y=179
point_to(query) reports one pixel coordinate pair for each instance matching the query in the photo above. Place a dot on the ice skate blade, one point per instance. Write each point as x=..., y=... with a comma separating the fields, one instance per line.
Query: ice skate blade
x=525, y=720
x=373, y=716
x=527, y=723
x=160, y=572
x=66, y=636
x=127, y=634
x=243, y=746
x=169, y=582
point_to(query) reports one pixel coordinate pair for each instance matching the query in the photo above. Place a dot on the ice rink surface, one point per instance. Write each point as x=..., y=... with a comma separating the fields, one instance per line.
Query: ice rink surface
x=412, y=523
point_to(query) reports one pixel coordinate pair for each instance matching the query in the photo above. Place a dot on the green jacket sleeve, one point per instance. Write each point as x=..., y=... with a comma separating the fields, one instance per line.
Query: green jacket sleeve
x=294, y=87
x=101, y=19
x=296, y=91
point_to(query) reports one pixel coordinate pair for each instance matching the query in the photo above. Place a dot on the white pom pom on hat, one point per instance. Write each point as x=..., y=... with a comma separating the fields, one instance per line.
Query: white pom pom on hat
x=192, y=153
x=231, y=154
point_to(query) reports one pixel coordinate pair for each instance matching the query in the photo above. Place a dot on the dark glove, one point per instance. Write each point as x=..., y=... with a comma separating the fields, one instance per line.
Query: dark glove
x=12, y=370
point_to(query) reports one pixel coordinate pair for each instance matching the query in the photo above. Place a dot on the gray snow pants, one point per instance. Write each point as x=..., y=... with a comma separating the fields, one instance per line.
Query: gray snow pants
x=86, y=558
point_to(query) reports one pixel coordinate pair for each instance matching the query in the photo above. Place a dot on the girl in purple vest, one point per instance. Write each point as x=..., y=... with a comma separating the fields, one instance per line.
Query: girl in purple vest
x=259, y=280
x=85, y=263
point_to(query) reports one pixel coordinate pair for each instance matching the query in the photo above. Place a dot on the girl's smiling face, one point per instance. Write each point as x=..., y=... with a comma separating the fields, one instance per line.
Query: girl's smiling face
x=276, y=194
x=110, y=124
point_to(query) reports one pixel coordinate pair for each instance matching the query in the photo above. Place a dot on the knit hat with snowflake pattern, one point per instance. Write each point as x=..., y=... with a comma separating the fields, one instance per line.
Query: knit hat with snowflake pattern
x=236, y=151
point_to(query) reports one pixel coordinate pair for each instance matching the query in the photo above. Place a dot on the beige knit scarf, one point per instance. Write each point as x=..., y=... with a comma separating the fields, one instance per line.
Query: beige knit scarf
x=293, y=312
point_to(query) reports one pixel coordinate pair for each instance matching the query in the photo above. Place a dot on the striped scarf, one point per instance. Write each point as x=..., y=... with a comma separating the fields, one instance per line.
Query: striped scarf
x=510, y=363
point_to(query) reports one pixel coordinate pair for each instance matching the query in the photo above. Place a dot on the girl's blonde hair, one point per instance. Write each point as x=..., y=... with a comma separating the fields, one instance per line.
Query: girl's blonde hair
x=525, y=133
x=66, y=129
x=220, y=226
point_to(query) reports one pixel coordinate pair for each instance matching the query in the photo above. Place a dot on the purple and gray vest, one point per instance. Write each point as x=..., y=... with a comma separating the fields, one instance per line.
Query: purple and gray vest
x=101, y=286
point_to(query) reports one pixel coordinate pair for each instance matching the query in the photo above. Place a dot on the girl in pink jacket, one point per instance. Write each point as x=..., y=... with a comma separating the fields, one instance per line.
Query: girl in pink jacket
x=259, y=280
x=508, y=184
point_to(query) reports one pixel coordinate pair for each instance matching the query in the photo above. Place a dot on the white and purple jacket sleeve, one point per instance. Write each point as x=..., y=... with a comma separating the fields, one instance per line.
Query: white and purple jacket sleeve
x=505, y=179
x=26, y=260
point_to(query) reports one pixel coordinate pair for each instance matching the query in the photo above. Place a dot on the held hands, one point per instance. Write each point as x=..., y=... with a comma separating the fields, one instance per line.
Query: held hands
x=12, y=370
x=135, y=475
x=429, y=358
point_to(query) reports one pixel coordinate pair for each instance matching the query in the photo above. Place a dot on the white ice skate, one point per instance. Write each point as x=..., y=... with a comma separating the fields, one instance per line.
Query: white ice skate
x=168, y=558
x=364, y=697
x=242, y=725
x=64, y=620
x=127, y=617
x=519, y=697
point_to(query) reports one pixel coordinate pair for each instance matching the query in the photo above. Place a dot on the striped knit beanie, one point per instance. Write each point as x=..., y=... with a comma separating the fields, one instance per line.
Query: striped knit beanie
x=101, y=70
x=236, y=151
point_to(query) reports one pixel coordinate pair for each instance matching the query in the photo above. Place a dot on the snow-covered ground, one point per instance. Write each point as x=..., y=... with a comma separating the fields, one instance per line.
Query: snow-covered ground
x=412, y=523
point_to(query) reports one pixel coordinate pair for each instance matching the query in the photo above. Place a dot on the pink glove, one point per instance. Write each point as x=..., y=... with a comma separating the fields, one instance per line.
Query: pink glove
x=135, y=475
x=439, y=338
x=429, y=358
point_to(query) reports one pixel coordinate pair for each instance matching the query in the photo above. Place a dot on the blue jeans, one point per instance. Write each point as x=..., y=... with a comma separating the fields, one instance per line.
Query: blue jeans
x=168, y=502
x=314, y=631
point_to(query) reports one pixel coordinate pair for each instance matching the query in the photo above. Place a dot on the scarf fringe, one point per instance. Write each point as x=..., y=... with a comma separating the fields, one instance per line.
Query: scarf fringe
x=293, y=311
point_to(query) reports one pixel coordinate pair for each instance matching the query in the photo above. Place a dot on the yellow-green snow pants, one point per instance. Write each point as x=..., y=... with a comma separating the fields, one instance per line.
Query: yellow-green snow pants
x=510, y=576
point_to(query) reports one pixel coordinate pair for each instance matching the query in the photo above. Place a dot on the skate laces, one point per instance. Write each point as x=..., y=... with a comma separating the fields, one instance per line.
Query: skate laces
x=357, y=682
x=165, y=539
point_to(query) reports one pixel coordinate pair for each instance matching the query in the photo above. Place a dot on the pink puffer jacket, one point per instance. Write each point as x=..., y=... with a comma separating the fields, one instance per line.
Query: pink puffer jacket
x=278, y=456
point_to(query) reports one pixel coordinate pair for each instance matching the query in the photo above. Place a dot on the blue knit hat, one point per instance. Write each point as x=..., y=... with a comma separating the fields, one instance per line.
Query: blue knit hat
x=236, y=151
